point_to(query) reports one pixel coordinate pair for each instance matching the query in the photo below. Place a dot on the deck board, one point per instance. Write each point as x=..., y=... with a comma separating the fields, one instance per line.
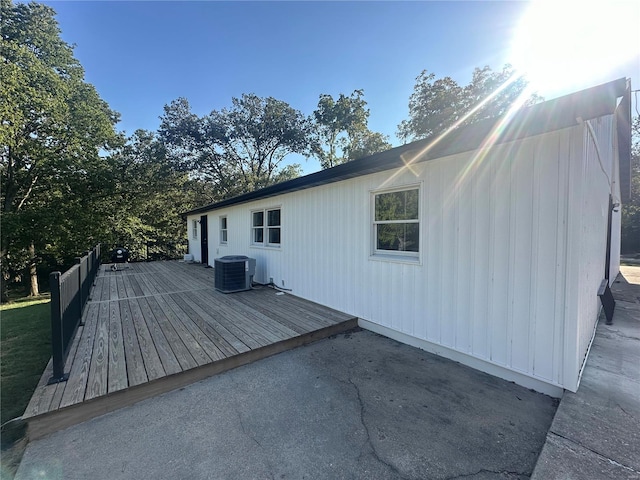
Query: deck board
x=230, y=314
x=76, y=386
x=168, y=359
x=136, y=373
x=189, y=334
x=183, y=356
x=117, y=362
x=98, y=369
x=150, y=356
x=220, y=338
x=137, y=289
x=153, y=327
x=192, y=324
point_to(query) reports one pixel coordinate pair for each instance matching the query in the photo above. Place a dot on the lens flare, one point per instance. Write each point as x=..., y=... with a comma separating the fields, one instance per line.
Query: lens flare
x=565, y=45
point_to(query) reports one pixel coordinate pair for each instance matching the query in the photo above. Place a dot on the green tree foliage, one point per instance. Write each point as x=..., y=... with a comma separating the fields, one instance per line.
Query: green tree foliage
x=341, y=132
x=142, y=198
x=367, y=143
x=239, y=149
x=53, y=127
x=631, y=211
x=438, y=103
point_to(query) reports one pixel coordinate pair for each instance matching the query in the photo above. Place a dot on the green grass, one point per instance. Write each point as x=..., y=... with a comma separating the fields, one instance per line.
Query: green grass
x=25, y=333
x=26, y=349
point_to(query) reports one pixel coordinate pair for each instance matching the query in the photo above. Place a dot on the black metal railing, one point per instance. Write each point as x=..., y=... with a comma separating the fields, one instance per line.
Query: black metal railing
x=164, y=250
x=69, y=294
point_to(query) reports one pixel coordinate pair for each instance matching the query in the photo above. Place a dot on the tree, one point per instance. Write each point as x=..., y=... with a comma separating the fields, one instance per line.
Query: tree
x=365, y=144
x=631, y=212
x=437, y=104
x=196, y=146
x=341, y=130
x=143, y=196
x=239, y=149
x=53, y=127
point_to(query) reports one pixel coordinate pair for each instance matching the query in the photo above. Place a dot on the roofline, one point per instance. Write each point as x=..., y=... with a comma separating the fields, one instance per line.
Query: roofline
x=555, y=114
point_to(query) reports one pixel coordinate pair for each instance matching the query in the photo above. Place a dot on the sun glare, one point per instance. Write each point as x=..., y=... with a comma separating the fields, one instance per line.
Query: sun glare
x=562, y=44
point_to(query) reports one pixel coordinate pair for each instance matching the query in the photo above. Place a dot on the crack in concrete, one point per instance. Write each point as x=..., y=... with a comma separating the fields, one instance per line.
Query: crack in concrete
x=618, y=333
x=485, y=470
x=392, y=467
x=244, y=430
x=270, y=472
x=620, y=407
x=602, y=456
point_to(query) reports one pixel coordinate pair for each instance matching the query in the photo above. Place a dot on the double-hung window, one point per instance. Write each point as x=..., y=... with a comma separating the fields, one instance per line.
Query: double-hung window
x=223, y=230
x=265, y=227
x=396, y=223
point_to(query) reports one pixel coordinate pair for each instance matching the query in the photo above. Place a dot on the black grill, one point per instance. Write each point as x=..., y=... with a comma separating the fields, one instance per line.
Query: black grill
x=119, y=255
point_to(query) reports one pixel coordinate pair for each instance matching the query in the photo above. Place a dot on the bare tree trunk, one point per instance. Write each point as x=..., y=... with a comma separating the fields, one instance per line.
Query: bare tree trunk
x=4, y=277
x=33, y=273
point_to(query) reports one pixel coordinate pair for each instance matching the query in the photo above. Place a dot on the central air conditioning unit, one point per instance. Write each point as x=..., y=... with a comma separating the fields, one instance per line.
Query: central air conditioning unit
x=234, y=273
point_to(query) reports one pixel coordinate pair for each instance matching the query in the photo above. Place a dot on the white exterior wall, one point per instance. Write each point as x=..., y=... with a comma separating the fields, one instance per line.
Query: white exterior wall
x=500, y=281
x=589, y=200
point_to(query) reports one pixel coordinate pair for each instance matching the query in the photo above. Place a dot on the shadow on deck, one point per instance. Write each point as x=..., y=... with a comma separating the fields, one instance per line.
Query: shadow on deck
x=154, y=327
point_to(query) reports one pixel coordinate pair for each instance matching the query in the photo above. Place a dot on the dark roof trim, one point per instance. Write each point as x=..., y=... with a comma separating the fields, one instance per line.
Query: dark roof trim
x=544, y=117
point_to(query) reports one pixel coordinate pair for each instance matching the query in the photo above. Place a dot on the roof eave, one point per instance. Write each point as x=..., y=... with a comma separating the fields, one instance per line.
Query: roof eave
x=562, y=112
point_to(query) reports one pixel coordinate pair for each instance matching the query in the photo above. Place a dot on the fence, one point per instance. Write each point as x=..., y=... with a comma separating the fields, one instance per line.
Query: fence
x=69, y=294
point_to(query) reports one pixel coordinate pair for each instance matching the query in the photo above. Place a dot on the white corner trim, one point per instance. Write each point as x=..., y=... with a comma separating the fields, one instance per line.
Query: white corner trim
x=521, y=379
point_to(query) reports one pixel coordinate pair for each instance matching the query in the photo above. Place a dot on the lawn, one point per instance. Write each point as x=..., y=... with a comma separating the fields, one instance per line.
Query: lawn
x=25, y=332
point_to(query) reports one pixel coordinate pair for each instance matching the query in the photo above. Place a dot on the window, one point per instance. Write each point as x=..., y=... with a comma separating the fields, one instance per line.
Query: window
x=258, y=227
x=265, y=227
x=396, y=225
x=223, y=230
x=194, y=226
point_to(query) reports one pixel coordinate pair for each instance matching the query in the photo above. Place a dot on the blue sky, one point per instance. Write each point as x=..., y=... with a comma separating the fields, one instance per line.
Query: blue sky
x=142, y=55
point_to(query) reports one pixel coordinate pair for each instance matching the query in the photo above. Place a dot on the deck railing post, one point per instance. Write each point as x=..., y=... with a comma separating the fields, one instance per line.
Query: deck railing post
x=80, y=289
x=95, y=262
x=57, y=342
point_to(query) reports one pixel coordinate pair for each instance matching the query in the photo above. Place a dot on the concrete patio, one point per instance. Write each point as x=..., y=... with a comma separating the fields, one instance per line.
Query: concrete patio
x=356, y=405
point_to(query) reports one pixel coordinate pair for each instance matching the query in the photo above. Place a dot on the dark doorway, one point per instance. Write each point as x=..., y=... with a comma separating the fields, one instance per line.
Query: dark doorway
x=204, y=242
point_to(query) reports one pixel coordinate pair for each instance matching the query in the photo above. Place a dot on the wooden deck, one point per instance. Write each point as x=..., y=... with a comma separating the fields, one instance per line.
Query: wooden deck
x=154, y=327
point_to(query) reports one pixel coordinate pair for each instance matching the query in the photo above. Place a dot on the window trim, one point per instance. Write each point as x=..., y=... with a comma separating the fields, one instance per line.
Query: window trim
x=265, y=227
x=194, y=229
x=224, y=232
x=396, y=255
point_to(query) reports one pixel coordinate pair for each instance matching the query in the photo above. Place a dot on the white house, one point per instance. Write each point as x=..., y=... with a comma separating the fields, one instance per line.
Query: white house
x=486, y=246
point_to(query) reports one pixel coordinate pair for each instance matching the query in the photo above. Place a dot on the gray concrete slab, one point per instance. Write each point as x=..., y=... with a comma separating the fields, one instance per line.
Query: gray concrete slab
x=562, y=458
x=596, y=431
x=354, y=406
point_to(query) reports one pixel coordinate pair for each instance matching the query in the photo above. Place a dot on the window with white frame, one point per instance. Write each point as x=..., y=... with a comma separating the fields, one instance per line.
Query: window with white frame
x=396, y=224
x=194, y=231
x=223, y=230
x=265, y=227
